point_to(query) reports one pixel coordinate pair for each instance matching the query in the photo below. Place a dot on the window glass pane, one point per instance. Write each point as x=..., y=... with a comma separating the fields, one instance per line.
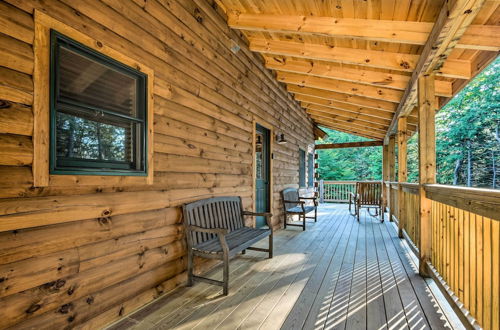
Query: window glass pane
x=259, y=163
x=100, y=138
x=81, y=79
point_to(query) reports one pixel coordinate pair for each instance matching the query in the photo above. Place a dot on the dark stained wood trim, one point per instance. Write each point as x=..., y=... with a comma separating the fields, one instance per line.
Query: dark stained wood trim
x=350, y=145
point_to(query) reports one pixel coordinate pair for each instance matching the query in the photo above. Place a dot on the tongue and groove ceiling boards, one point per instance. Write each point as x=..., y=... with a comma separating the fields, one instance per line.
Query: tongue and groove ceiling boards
x=353, y=64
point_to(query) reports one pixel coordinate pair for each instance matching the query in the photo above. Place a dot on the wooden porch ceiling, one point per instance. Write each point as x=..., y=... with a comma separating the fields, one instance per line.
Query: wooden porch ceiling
x=353, y=66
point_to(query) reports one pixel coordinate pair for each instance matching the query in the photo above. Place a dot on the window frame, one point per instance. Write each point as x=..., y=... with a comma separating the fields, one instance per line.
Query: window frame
x=310, y=168
x=41, y=106
x=140, y=143
x=302, y=169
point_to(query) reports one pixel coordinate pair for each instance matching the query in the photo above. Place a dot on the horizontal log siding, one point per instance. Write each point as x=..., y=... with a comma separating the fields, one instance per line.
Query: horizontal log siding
x=87, y=250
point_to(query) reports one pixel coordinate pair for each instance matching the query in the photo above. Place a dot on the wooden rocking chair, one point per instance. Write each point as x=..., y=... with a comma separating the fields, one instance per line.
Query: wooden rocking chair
x=369, y=195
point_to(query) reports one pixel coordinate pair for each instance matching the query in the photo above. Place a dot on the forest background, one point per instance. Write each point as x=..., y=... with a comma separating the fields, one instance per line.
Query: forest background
x=467, y=141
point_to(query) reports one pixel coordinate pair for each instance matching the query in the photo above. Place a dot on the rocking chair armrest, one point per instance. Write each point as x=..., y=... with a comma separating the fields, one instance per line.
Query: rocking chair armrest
x=312, y=198
x=218, y=231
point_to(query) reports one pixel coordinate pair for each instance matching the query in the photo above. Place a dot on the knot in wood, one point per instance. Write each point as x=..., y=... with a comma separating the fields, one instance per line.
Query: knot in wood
x=59, y=284
x=4, y=104
x=33, y=308
x=405, y=65
x=104, y=220
x=64, y=309
x=90, y=300
x=468, y=11
x=106, y=213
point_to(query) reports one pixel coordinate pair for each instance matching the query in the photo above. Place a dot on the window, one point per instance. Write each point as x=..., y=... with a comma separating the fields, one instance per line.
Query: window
x=98, y=112
x=302, y=168
x=310, y=170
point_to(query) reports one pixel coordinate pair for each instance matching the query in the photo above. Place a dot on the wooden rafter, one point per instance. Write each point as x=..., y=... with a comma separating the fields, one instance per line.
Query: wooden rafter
x=365, y=57
x=348, y=119
x=405, y=32
x=362, y=127
x=348, y=145
x=337, y=71
x=450, y=25
x=326, y=70
x=371, y=113
x=343, y=98
x=341, y=112
x=347, y=129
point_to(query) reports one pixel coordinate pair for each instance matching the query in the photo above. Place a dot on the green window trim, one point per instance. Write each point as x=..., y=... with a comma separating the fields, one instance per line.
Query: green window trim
x=132, y=129
x=310, y=170
x=302, y=168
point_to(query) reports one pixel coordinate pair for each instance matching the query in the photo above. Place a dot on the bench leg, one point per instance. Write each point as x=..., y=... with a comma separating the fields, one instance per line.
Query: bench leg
x=190, y=268
x=244, y=252
x=225, y=289
x=271, y=245
x=315, y=214
x=304, y=222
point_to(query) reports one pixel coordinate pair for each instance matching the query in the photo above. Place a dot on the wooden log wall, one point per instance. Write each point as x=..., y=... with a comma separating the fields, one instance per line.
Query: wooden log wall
x=85, y=250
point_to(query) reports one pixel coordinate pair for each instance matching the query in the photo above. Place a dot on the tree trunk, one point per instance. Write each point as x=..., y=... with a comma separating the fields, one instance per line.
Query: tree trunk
x=494, y=183
x=469, y=165
x=456, y=172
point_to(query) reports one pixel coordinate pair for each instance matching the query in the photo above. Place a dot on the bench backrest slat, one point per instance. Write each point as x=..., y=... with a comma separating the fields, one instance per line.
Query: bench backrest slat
x=290, y=194
x=216, y=212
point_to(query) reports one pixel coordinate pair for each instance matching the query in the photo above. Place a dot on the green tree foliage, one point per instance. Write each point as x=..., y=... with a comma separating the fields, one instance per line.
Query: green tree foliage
x=351, y=163
x=467, y=141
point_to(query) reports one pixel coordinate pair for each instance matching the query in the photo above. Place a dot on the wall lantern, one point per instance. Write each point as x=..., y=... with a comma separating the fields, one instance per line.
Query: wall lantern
x=280, y=138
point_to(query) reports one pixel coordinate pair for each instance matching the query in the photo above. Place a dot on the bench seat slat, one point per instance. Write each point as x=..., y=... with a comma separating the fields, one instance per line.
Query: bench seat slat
x=237, y=241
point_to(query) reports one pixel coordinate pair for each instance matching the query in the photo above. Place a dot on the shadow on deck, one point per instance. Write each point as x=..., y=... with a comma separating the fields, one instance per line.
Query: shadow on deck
x=339, y=274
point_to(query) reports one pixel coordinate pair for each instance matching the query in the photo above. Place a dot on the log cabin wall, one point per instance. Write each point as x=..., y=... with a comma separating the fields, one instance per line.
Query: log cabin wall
x=84, y=252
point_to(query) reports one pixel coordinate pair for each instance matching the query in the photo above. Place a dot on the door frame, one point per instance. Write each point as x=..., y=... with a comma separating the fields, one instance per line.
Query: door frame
x=268, y=126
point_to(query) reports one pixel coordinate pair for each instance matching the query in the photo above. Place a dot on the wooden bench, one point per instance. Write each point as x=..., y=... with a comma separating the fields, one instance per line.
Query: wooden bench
x=368, y=194
x=293, y=204
x=215, y=229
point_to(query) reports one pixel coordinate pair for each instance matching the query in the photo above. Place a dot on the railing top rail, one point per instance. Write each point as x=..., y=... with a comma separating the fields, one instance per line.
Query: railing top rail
x=485, y=202
x=338, y=182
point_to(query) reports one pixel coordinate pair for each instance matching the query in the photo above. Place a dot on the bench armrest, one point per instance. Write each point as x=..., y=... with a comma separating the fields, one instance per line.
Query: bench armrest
x=262, y=214
x=257, y=214
x=314, y=199
x=294, y=202
x=218, y=231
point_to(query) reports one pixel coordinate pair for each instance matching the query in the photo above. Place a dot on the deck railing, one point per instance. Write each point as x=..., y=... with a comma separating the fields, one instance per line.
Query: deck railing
x=465, y=254
x=336, y=191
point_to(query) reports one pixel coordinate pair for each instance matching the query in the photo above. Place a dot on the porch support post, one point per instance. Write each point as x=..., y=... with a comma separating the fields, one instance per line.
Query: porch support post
x=392, y=170
x=426, y=163
x=385, y=177
x=402, y=173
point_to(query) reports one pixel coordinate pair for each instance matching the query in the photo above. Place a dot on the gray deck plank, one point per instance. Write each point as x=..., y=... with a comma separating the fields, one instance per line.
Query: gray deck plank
x=338, y=274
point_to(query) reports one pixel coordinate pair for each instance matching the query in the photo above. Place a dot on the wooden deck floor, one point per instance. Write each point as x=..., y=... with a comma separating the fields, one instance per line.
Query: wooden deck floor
x=337, y=275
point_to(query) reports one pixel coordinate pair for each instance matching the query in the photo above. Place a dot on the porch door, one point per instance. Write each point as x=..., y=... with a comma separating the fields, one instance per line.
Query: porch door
x=262, y=172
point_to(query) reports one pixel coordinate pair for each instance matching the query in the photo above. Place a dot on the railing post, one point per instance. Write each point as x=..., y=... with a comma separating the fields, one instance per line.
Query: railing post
x=385, y=177
x=402, y=173
x=392, y=170
x=426, y=164
x=321, y=191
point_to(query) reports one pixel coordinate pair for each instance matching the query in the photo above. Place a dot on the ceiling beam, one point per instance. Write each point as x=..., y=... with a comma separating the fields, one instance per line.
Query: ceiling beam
x=347, y=119
x=364, y=57
x=349, y=145
x=342, y=112
x=343, y=98
x=480, y=37
x=322, y=70
x=337, y=71
x=348, y=130
x=386, y=94
x=450, y=25
x=371, y=113
x=362, y=127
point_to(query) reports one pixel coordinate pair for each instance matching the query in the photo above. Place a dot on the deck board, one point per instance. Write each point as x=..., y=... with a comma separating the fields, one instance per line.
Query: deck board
x=338, y=274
